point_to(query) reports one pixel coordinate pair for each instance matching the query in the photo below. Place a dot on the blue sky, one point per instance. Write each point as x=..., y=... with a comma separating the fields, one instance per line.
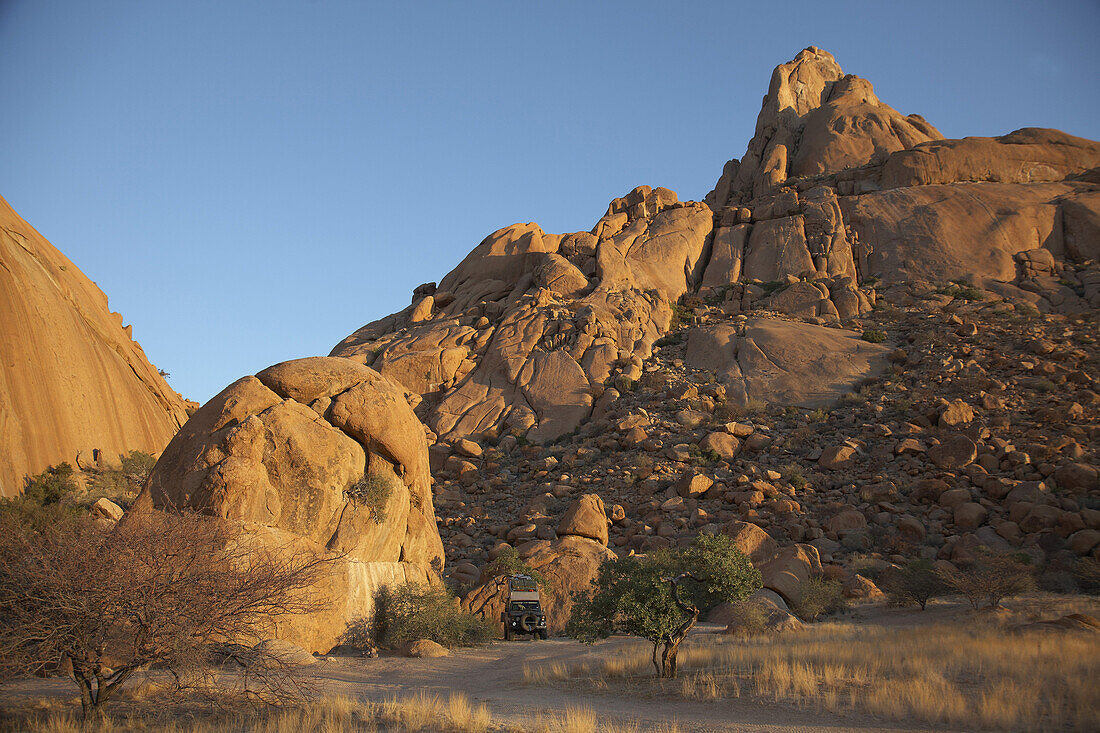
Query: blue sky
x=249, y=182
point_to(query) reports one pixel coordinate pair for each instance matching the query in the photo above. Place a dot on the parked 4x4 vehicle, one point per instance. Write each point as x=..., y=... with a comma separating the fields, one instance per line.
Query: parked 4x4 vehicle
x=523, y=612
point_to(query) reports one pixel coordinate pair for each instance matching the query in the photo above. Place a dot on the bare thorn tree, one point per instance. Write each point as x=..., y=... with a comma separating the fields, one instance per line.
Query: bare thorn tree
x=164, y=589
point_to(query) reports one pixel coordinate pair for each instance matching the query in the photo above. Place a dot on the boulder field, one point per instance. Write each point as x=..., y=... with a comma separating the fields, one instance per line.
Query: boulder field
x=74, y=385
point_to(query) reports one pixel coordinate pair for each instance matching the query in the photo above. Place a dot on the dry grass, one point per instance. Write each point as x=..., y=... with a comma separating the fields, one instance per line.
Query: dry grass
x=584, y=720
x=418, y=712
x=965, y=676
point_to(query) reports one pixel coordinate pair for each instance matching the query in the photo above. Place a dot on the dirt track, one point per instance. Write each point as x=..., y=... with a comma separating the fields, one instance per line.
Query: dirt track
x=493, y=675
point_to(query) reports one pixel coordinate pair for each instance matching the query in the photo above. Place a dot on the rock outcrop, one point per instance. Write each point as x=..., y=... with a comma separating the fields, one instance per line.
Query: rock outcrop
x=836, y=191
x=783, y=362
x=566, y=565
x=836, y=183
x=522, y=335
x=74, y=385
x=322, y=454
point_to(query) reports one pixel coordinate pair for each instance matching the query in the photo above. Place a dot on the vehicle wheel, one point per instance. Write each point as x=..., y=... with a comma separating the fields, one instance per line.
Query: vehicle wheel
x=543, y=634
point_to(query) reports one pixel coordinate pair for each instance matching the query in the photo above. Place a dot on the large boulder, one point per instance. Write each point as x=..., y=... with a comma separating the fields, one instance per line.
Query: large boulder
x=566, y=565
x=787, y=571
x=757, y=544
x=586, y=517
x=321, y=454
x=73, y=382
x=783, y=362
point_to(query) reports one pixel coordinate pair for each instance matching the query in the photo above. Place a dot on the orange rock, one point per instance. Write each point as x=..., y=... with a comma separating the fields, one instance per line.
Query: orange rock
x=72, y=380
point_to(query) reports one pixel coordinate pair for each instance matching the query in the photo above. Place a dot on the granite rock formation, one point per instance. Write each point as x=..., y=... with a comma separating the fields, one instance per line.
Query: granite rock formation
x=836, y=193
x=74, y=385
x=322, y=454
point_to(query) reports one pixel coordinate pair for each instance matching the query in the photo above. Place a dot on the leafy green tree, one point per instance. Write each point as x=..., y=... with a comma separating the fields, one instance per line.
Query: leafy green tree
x=659, y=597
x=508, y=562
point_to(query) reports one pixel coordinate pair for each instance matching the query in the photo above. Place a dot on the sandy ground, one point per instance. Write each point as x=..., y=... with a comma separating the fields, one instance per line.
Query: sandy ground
x=493, y=675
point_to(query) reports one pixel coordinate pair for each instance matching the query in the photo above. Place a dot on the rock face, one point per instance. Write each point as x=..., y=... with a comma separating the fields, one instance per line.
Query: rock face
x=834, y=182
x=72, y=381
x=835, y=188
x=525, y=331
x=782, y=362
x=816, y=120
x=323, y=454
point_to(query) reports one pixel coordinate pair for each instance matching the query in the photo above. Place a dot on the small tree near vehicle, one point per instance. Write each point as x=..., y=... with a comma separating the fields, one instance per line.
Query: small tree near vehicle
x=163, y=589
x=508, y=562
x=659, y=596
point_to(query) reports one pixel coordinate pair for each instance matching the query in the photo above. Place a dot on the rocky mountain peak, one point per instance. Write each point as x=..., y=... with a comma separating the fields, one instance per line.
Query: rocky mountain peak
x=815, y=120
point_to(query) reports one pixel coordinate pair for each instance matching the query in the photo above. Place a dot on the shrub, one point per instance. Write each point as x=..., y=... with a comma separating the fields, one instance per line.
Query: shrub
x=748, y=617
x=874, y=336
x=1086, y=572
x=794, y=475
x=915, y=584
x=50, y=486
x=962, y=290
x=711, y=456
x=1042, y=384
x=123, y=483
x=359, y=635
x=414, y=611
x=991, y=578
x=44, y=499
x=623, y=383
x=373, y=491
x=681, y=315
x=819, y=597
